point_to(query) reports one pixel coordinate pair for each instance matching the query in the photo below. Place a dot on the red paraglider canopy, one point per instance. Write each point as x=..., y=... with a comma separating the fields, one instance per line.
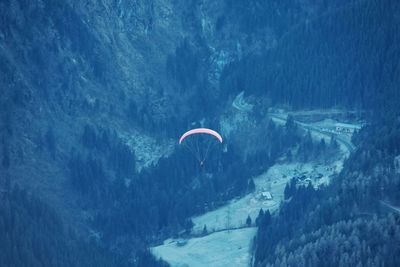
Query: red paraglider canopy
x=203, y=131
x=200, y=144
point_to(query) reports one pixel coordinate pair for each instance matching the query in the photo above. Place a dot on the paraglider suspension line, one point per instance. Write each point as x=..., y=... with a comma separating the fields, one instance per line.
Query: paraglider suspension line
x=194, y=145
x=194, y=152
x=209, y=145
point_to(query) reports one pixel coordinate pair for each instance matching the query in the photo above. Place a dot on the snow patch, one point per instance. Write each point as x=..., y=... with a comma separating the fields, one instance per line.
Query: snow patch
x=226, y=248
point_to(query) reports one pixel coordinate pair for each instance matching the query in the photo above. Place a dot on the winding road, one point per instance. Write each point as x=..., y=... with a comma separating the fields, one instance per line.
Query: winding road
x=240, y=104
x=281, y=118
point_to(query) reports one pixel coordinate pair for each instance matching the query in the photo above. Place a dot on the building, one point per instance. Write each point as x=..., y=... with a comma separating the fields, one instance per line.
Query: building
x=266, y=195
x=341, y=129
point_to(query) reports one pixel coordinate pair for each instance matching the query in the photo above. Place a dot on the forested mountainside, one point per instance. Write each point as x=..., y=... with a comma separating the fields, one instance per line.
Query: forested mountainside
x=33, y=235
x=348, y=223
x=344, y=57
x=95, y=93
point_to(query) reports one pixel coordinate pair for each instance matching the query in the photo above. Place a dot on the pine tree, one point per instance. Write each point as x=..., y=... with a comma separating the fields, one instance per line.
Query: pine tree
x=266, y=218
x=204, y=232
x=259, y=217
x=289, y=155
x=248, y=221
x=333, y=144
x=290, y=124
x=287, y=192
x=251, y=186
x=50, y=141
x=6, y=157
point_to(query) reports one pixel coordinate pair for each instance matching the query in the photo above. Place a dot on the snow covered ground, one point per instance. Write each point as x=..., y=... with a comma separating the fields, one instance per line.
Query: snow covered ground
x=232, y=247
x=234, y=214
x=226, y=248
x=334, y=123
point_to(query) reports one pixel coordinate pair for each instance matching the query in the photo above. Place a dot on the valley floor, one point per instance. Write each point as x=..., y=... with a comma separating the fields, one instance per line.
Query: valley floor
x=225, y=248
x=229, y=240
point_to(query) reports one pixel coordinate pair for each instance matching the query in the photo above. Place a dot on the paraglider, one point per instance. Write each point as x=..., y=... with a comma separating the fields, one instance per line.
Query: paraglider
x=200, y=141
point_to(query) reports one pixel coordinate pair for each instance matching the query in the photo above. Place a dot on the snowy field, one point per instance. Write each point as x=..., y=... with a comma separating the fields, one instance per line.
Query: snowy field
x=221, y=249
x=232, y=247
x=234, y=214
